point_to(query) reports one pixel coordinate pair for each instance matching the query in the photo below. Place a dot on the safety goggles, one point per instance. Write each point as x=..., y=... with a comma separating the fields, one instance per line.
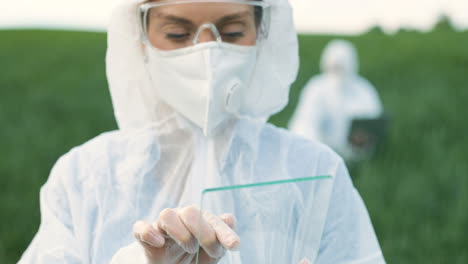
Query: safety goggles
x=171, y=25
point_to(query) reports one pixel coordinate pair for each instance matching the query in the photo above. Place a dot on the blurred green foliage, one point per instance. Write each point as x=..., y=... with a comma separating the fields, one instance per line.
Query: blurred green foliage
x=54, y=96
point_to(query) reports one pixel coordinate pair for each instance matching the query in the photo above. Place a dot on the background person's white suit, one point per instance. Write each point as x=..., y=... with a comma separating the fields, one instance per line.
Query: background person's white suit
x=330, y=101
x=157, y=159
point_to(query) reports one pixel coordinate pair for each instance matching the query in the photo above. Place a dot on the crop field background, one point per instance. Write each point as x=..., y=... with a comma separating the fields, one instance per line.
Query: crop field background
x=54, y=96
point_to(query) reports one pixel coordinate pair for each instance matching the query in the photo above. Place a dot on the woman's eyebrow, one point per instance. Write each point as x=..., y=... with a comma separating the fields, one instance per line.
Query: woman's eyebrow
x=234, y=16
x=173, y=19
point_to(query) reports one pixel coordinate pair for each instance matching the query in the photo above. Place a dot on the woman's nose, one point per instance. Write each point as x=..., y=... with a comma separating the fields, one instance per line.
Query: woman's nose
x=206, y=36
x=207, y=33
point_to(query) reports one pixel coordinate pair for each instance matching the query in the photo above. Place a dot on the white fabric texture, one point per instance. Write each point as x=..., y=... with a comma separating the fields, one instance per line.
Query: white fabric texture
x=159, y=160
x=331, y=100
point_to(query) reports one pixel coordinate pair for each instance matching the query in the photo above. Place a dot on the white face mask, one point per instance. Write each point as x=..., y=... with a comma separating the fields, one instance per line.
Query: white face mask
x=205, y=83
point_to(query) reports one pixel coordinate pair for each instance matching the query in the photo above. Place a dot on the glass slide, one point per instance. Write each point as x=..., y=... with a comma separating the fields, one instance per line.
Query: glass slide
x=277, y=222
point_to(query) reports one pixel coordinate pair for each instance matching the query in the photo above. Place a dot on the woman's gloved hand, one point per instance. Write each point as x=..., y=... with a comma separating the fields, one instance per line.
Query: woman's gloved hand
x=178, y=233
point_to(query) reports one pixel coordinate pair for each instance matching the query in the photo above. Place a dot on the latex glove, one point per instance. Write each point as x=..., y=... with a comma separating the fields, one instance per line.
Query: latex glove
x=173, y=238
x=304, y=261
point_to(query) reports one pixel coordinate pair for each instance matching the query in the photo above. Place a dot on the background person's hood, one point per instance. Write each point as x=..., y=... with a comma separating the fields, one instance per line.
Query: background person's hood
x=128, y=79
x=340, y=58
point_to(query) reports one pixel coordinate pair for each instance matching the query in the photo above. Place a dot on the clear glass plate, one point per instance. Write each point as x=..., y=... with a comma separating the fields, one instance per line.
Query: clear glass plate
x=277, y=222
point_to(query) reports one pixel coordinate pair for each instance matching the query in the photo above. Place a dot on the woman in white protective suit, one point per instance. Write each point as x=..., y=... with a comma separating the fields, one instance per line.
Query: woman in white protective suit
x=192, y=83
x=331, y=100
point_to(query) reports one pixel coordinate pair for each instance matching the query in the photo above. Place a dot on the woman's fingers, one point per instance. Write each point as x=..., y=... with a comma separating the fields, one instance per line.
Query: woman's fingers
x=148, y=235
x=226, y=236
x=184, y=226
x=230, y=220
x=191, y=217
x=170, y=223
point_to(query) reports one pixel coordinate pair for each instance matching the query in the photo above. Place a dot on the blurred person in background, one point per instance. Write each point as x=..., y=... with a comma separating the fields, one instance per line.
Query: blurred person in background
x=339, y=107
x=187, y=82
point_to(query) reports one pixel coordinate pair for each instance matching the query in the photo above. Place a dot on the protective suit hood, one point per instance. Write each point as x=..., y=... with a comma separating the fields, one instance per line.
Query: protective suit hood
x=340, y=57
x=129, y=82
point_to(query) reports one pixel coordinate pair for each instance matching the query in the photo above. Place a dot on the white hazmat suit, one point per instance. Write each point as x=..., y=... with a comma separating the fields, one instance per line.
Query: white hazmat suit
x=157, y=159
x=330, y=101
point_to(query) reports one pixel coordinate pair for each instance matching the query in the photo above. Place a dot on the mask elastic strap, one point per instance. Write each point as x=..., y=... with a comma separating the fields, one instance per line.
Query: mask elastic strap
x=213, y=29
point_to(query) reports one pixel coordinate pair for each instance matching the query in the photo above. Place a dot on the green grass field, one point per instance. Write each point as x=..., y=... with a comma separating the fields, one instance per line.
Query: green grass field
x=54, y=96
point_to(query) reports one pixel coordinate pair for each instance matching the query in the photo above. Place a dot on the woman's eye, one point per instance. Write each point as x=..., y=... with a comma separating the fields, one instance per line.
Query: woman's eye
x=233, y=31
x=177, y=36
x=233, y=34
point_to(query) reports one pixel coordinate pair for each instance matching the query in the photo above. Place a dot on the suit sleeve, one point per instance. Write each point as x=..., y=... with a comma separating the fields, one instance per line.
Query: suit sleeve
x=55, y=241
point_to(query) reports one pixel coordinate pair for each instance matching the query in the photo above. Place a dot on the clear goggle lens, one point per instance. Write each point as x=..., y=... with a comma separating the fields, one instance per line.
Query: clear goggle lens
x=170, y=25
